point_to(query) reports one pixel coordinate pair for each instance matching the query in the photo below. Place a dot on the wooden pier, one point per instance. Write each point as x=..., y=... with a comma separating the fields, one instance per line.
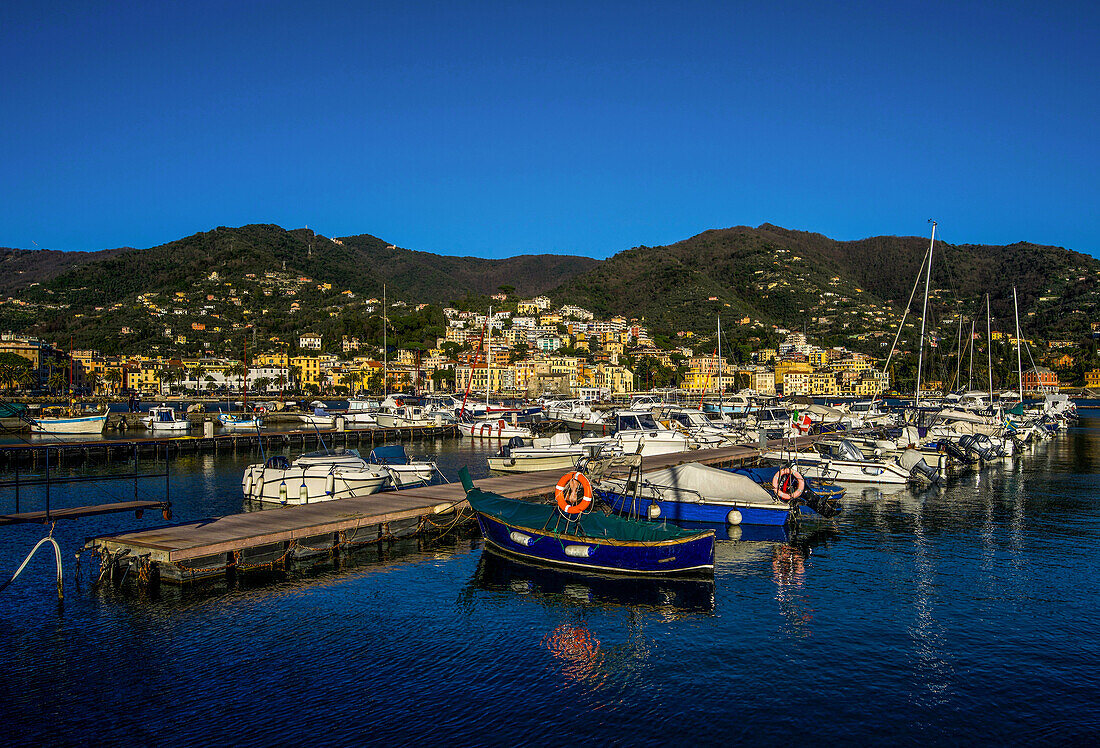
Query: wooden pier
x=165, y=446
x=275, y=538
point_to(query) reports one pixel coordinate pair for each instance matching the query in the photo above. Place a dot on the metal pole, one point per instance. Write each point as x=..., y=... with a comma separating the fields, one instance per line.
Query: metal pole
x=47, y=484
x=1019, y=363
x=989, y=348
x=924, y=313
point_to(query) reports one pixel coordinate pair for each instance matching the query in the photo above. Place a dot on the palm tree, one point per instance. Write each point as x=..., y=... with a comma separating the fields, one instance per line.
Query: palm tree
x=92, y=379
x=56, y=381
x=113, y=377
x=196, y=373
x=237, y=370
x=280, y=381
x=262, y=383
x=351, y=378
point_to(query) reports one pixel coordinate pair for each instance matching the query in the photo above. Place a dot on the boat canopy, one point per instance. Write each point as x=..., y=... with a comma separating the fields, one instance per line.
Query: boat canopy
x=393, y=454
x=708, y=483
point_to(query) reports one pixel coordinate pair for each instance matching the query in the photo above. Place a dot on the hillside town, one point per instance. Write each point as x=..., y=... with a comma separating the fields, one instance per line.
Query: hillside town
x=530, y=350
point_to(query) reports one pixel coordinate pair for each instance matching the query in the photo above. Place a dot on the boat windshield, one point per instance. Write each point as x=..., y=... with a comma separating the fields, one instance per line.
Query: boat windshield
x=631, y=421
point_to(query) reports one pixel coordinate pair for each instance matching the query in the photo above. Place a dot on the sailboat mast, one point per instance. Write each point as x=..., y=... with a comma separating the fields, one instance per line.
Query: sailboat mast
x=1019, y=362
x=721, y=389
x=489, y=361
x=924, y=314
x=385, y=349
x=959, y=361
x=970, y=376
x=989, y=347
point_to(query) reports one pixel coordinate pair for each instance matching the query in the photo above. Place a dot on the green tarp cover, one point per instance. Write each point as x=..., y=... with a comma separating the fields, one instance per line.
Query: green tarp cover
x=547, y=518
x=12, y=410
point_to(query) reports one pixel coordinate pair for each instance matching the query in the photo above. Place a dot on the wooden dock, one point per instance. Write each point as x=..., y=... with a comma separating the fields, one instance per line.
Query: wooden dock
x=166, y=446
x=273, y=538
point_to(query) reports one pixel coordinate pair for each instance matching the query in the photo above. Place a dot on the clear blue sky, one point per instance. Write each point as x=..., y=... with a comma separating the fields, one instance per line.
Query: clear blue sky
x=494, y=129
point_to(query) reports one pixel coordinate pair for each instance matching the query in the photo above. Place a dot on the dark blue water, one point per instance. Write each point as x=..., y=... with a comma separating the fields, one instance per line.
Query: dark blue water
x=960, y=615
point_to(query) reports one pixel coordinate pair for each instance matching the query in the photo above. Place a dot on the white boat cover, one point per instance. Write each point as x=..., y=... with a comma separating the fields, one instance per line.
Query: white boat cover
x=712, y=483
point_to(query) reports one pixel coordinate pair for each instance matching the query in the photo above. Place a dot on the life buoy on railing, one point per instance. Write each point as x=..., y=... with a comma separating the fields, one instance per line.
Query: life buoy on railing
x=782, y=480
x=573, y=494
x=486, y=427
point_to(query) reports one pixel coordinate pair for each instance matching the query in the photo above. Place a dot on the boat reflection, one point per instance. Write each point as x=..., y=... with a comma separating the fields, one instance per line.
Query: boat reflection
x=671, y=598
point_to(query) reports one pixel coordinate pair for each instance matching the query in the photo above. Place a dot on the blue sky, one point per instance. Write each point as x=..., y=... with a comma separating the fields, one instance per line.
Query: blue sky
x=495, y=129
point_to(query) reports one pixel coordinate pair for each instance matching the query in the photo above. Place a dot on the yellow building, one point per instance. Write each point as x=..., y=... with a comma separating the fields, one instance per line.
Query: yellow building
x=1092, y=378
x=499, y=378
x=277, y=360
x=823, y=384
x=309, y=369
x=783, y=368
x=796, y=383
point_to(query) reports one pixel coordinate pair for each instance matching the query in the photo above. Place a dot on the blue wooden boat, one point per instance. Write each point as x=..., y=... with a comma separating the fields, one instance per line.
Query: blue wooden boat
x=694, y=493
x=592, y=541
x=821, y=498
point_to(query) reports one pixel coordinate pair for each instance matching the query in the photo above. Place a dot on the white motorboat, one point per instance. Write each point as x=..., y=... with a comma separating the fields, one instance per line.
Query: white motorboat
x=557, y=452
x=842, y=461
x=401, y=413
x=324, y=475
x=638, y=432
x=362, y=412
x=320, y=418
x=68, y=421
x=403, y=470
x=163, y=418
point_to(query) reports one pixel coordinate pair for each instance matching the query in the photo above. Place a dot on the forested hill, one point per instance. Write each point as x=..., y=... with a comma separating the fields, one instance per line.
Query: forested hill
x=807, y=281
x=360, y=263
x=215, y=287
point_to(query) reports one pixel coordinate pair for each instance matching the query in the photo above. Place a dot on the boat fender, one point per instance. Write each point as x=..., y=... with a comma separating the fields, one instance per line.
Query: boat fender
x=654, y=511
x=521, y=539
x=579, y=551
x=330, y=484
x=248, y=483
x=303, y=493
x=569, y=501
x=734, y=517
x=282, y=492
x=782, y=481
x=442, y=508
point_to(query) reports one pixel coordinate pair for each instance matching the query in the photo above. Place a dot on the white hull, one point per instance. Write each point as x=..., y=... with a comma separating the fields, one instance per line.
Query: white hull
x=499, y=429
x=168, y=425
x=534, y=463
x=844, y=471
x=249, y=425
x=310, y=484
x=652, y=443
x=83, y=425
x=404, y=476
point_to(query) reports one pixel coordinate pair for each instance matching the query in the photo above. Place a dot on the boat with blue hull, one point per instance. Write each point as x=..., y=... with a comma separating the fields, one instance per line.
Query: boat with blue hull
x=819, y=499
x=694, y=493
x=543, y=533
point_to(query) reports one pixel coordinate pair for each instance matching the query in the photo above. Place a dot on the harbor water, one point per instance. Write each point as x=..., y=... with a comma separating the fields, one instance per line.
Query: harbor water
x=961, y=614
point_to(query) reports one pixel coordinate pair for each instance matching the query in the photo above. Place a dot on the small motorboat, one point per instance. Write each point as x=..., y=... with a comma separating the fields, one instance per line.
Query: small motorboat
x=242, y=422
x=163, y=418
x=324, y=475
x=319, y=418
x=567, y=534
x=557, y=452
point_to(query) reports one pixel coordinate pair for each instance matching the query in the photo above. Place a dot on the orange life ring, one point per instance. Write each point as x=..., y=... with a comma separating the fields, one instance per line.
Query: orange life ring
x=565, y=494
x=784, y=492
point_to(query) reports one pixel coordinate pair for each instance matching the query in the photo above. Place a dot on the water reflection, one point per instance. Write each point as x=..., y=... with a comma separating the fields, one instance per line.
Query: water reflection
x=670, y=599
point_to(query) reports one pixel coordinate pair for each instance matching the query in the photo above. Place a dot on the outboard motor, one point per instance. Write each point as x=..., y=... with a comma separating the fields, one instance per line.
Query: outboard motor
x=956, y=452
x=970, y=443
x=913, y=461
x=826, y=505
x=506, y=450
x=983, y=441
